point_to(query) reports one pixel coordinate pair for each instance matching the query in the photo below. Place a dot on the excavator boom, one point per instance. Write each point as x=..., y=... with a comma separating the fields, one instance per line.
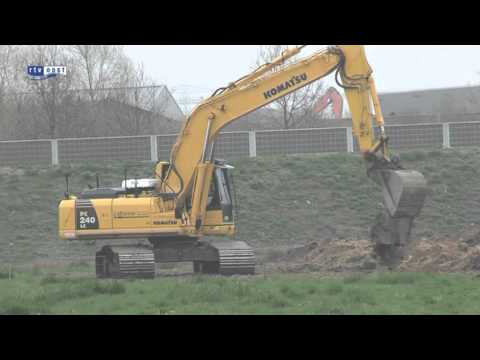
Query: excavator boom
x=404, y=191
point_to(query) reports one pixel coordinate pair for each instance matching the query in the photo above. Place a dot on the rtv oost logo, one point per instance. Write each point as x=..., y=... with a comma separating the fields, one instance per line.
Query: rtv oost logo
x=42, y=72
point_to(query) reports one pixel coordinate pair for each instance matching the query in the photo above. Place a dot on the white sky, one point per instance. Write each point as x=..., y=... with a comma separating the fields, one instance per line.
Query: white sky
x=197, y=70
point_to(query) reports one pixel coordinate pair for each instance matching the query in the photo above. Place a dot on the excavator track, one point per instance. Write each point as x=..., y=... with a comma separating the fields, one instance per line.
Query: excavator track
x=233, y=258
x=121, y=262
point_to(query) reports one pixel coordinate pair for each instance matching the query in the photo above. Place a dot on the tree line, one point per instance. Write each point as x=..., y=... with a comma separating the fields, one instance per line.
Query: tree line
x=104, y=93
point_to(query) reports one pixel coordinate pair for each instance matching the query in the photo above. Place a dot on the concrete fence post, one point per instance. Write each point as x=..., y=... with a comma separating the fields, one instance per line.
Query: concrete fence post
x=54, y=144
x=446, y=136
x=252, y=143
x=153, y=148
x=350, y=148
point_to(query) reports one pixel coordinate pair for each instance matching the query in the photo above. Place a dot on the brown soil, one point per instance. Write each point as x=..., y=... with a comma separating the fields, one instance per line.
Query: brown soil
x=458, y=254
x=437, y=254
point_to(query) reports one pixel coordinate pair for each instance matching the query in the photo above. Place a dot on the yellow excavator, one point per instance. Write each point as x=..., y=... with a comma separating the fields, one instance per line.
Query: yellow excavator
x=191, y=196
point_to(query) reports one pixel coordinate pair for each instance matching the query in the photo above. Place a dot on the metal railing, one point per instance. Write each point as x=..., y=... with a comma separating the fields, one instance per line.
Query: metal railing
x=234, y=144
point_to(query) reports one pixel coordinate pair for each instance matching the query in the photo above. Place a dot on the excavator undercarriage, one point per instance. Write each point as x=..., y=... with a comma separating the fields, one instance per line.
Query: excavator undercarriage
x=214, y=258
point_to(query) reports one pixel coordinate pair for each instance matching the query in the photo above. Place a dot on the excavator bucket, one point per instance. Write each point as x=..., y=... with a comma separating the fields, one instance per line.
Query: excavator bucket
x=404, y=193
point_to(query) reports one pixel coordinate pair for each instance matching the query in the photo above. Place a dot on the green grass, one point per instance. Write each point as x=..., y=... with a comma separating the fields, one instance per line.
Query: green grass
x=282, y=200
x=386, y=293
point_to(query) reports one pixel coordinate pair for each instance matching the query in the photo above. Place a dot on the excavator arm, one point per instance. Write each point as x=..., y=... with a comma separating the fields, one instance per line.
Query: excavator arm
x=192, y=164
x=267, y=84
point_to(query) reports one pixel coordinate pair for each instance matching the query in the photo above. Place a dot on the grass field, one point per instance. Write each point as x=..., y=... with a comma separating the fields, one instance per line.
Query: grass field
x=386, y=293
x=282, y=200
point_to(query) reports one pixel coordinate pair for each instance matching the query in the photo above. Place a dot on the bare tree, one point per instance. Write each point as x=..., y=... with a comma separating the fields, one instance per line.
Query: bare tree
x=137, y=97
x=104, y=93
x=8, y=54
x=100, y=67
x=50, y=94
x=296, y=109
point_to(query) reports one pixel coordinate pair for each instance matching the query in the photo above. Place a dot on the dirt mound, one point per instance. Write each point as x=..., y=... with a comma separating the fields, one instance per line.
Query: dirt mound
x=329, y=256
x=460, y=253
x=454, y=254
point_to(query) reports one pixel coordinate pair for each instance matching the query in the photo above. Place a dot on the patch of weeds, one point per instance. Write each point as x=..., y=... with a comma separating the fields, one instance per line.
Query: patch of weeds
x=287, y=291
x=163, y=307
x=88, y=176
x=435, y=154
x=79, y=264
x=360, y=296
x=336, y=311
x=65, y=289
x=414, y=155
x=199, y=278
x=16, y=309
x=5, y=275
x=269, y=297
x=208, y=293
x=445, y=282
x=396, y=279
x=334, y=289
x=20, y=306
x=185, y=301
x=141, y=291
x=257, y=185
x=31, y=172
x=242, y=290
x=37, y=270
x=59, y=171
x=50, y=279
x=430, y=299
x=352, y=279
x=110, y=287
x=280, y=302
